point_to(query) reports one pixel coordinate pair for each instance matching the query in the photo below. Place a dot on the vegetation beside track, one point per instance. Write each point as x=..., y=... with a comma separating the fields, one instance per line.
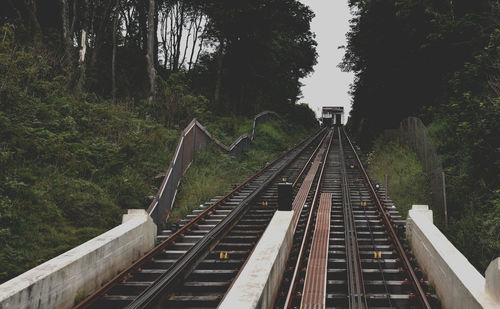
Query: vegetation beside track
x=72, y=163
x=408, y=183
x=91, y=112
x=404, y=55
x=213, y=173
x=474, y=216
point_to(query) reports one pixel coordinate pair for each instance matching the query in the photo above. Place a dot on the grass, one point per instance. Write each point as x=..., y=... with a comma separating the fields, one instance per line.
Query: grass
x=213, y=173
x=408, y=184
x=227, y=129
x=68, y=179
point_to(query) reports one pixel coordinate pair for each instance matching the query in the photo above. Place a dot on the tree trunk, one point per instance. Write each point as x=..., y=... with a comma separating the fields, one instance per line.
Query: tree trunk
x=150, y=51
x=99, y=37
x=155, y=47
x=199, y=51
x=81, y=61
x=179, y=24
x=34, y=24
x=72, y=29
x=164, y=36
x=113, y=57
x=195, y=40
x=143, y=24
x=66, y=34
x=83, y=49
x=219, y=73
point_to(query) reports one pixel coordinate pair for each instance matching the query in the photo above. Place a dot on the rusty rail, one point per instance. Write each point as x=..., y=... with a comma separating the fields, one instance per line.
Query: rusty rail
x=148, y=256
x=293, y=282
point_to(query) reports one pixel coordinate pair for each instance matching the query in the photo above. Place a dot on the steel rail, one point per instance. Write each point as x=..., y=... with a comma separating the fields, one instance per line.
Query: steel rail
x=355, y=276
x=406, y=262
x=88, y=301
x=294, y=185
x=175, y=271
x=300, y=258
x=379, y=263
x=304, y=168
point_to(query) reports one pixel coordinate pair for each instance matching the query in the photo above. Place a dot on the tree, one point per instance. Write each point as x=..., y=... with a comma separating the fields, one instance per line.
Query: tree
x=113, y=57
x=83, y=48
x=150, y=50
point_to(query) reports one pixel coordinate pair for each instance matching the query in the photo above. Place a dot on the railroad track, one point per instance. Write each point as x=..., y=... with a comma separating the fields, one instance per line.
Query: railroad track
x=350, y=255
x=208, y=281
x=202, y=236
x=346, y=252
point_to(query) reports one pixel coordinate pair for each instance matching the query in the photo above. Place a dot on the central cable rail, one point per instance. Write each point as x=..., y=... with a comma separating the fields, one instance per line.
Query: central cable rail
x=355, y=276
x=415, y=282
x=366, y=266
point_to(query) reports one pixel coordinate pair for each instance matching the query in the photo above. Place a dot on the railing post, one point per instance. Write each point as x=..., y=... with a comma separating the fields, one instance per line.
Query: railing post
x=386, y=186
x=444, y=200
x=285, y=196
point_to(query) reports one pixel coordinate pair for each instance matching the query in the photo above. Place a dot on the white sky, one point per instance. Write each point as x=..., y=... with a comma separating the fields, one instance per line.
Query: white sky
x=328, y=85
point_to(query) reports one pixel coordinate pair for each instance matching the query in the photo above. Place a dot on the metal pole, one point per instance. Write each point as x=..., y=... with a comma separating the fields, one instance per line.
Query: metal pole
x=386, y=185
x=444, y=201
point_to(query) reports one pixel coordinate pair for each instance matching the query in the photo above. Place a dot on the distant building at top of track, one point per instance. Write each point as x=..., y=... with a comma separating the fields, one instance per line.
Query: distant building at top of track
x=332, y=115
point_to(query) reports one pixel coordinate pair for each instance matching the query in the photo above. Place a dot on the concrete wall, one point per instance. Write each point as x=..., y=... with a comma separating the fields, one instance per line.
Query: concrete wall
x=458, y=284
x=76, y=273
x=258, y=282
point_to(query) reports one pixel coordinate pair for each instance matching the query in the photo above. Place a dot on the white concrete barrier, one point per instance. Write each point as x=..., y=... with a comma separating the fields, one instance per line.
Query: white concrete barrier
x=79, y=271
x=258, y=282
x=458, y=284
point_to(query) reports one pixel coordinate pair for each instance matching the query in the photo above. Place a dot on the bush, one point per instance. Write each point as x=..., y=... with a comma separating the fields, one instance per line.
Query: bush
x=408, y=184
x=71, y=164
x=213, y=173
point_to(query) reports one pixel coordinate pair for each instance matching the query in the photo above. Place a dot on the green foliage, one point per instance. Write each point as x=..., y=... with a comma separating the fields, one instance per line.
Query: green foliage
x=405, y=53
x=439, y=60
x=476, y=231
x=227, y=128
x=175, y=104
x=466, y=130
x=408, y=184
x=70, y=164
x=80, y=296
x=73, y=162
x=213, y=173
x=267, y=47
x=302, y=115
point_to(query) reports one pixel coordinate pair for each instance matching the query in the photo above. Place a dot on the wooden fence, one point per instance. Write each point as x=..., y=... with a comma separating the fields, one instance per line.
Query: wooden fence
x=194, y=138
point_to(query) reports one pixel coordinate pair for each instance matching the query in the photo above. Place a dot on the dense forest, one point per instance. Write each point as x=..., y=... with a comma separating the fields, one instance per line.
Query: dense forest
x=244, y=56
x=438, y=60
x=94, y=94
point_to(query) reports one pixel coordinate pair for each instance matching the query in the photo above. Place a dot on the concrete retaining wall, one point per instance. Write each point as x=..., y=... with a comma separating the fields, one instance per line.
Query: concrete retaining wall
x=76, y=273
x=257, y=284
x=458, y=284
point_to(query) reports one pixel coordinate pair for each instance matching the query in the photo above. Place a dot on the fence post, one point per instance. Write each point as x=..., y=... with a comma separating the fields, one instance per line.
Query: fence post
x=194, y=139
x=386, y=185
x=444, y=201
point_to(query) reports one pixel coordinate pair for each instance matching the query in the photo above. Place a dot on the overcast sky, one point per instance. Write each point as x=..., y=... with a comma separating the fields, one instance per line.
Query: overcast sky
x=328, y=86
